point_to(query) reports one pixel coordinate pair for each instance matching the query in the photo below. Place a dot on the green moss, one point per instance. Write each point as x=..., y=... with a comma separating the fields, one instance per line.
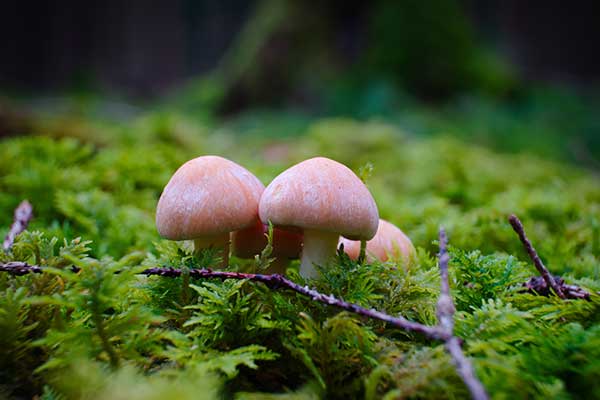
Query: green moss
x=96, y=334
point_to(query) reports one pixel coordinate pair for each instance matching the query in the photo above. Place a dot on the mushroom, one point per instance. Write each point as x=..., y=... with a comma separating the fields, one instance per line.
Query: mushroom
x=249, y=242
x=388, y=241
x=206, y=199
x=325, y=199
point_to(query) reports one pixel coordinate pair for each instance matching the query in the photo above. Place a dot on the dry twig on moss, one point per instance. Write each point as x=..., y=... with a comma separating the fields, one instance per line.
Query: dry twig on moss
x=19, y=268
x=445, y=314
x=542, y=286
x=23, y=214
x=276, y=281
x=537, y=285
x=537, y=261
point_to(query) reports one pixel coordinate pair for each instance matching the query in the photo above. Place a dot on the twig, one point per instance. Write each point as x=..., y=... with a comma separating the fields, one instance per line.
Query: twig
x=19, y=268
x=23, y=214
x=445, y=306
x=537, y=285
x=276, y=281
x=465, y=369
x=539, y=265
x=445, y=314
x=543, y=284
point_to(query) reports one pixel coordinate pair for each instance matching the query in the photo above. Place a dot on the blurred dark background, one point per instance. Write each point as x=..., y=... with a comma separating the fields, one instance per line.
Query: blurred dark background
x=434, y=48
x=491, y=68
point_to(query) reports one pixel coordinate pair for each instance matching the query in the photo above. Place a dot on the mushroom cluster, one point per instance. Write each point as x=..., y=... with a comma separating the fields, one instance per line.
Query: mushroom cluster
x=216, y=202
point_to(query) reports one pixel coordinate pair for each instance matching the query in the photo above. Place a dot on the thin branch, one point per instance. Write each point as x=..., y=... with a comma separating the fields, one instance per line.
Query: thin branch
x=537, y=285
x=575, y=292
x=539, y=265
x=445, y=314
x=465, y=369
x=276, y=281
x=19, y=268
x=273, y=281
x=445, y=306
x=23, y=214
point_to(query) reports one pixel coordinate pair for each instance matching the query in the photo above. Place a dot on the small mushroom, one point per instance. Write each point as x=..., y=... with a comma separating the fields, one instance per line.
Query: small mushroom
x=251, y=241
x=206, y=199
x=325, y=199
x=389, y=241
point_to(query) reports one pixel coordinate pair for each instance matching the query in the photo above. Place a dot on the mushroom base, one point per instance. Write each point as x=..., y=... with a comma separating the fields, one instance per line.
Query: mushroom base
x=217, y=242
x=319, y=246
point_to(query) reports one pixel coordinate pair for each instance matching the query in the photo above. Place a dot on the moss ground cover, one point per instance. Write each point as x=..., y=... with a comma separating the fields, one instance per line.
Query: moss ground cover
x=97, y=334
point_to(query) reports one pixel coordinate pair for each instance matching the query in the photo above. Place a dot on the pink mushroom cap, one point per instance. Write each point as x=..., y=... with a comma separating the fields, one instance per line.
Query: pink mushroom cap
x=208, y=196
x=388, y=241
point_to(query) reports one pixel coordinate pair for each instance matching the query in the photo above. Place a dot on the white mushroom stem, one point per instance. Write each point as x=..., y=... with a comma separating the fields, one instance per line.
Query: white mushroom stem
x=217, y=242
x=319, y=246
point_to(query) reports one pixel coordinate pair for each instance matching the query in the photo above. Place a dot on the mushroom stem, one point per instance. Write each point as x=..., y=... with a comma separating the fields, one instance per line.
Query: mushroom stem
x=319, y=246
x=218, y=242
x=363, y=251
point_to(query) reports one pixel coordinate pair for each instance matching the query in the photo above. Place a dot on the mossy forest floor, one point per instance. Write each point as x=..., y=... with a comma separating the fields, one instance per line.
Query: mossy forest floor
x=99, y=335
